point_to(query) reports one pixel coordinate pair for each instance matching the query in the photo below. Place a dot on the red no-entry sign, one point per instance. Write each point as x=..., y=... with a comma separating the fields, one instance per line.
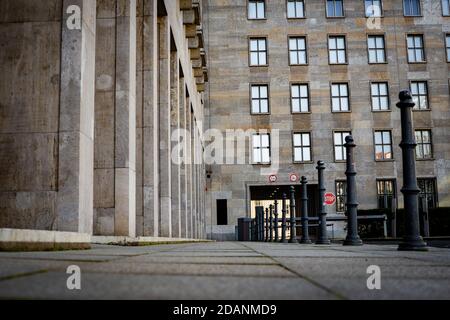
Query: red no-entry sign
x=330, y=198
x=273, y=178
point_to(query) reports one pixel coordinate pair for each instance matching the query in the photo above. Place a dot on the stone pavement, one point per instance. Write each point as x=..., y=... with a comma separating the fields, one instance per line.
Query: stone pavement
x=227, y=270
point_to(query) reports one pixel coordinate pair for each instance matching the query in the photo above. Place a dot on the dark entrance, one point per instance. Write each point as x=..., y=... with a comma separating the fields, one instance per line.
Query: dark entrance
x=222, y=212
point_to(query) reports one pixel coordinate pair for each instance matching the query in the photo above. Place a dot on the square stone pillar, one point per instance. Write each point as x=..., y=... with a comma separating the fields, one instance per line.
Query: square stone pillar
x=74, y=208
x=188, y=168
x=183, y=180
x=165, y=183
x=125, y=120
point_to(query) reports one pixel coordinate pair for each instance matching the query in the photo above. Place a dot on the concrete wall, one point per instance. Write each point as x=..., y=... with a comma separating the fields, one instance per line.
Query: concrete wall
x=228, y=31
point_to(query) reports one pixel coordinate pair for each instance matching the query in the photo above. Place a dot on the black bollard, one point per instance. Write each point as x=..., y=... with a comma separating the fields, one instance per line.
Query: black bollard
x=276, y=220
x=305, y=220
x=271, y=223
x=322, y=236
x=266, y=226
x=283, y=218
x=412, y=241
x=352, y=238
x=293, y=238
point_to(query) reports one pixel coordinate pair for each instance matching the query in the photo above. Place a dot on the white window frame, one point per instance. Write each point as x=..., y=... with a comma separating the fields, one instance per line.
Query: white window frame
x=261, y=148
x=304, y=147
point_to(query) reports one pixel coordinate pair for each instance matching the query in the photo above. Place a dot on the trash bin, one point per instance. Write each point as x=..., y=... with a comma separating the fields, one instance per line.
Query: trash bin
x=244, y=225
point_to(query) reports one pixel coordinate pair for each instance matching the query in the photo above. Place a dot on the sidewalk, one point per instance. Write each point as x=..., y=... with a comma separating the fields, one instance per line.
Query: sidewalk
x=227, y=270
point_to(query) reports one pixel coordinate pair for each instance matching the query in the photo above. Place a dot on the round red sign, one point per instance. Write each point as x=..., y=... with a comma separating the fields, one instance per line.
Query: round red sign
x=272, y=178
x=293, y=177
x=330, y=198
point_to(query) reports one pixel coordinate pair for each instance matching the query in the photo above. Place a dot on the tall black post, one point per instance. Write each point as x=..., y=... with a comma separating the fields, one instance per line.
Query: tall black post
x=293, y=238
x=276, y=220
x=283, y=219
x=305, y=220
x=322, y=236
x=271, y=223
x=412, y=241
x=266, y=226
x=352, y=238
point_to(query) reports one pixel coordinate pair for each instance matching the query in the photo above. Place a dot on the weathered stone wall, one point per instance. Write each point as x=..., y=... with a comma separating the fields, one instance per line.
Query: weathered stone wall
x=230, y=76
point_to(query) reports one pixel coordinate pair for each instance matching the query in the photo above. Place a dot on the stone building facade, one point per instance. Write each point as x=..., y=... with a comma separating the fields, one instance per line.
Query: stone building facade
x=335, y=57
x=90, y=94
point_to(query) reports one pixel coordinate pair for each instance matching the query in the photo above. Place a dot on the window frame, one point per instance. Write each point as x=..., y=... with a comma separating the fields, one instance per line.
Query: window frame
x=388, y=95
x=384, y=194
x=340, y=131
x=295, y=36
x=442, y=8
x=302, y=147
x=417, y=109
x=422, y=36
x=377, y=35
x=412, y=16
x=287, y=9
x=446, y=47
x=291, y=84
x=260, y=148
x=334, y=17
x=340, y=97
x=429, y=130
x=259, y=84
x=337, y=50
x=382, y=130
x=250, y=38
x=248, y=10
x=343, y=196
x=433, y=180
x=381, y=13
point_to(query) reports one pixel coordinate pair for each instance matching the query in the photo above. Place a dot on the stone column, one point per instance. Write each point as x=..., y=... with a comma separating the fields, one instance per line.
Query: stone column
x=74, y=205
x=174, y=126
x=183, y=181
x=165, y=185
x=194, y=178
x=125, y=120
x=150, y=119
x=188, y=158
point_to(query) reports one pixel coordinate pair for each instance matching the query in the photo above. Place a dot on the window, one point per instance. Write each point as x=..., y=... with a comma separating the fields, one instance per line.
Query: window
x=376, y=49
x=302, y=147
x=339, y=141
x=419, y=92
x=341, y=195
x=383, y=145
x=411, y=8
x=260, y=98
x=258, y=52
x=297, y=51
x=339, y=97
x=447, y=46
x=385, y=193
x=424, y=146
x=261, y=148
x=337, y=52
x=380, y=96
x=374, y=8
x=295, y=9
x=416, y=52
x=445, y=8
x=300, y=98
x=335, y=8
x=256, y=9
x=427, y=188
x=222, y=212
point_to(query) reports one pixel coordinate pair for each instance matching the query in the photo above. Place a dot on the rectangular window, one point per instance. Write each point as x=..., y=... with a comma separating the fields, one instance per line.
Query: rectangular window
x=341, y=194
x=385, y=193
x=335, y=8
x=256, y=9
x=447, y=46
x=416, y=51
x=374, y=8
x=424, y=148
x=419, y=92
x=412, y=8
x=261, y=148
x=445, y=8
x=336, y=50
x=339, y=142
x=376, y=47
x=222, y=212
x=340, y=97
x=260, y=98
x=383, y=145
x=302, y=147
x=295, y=9
x=428, y=190
x=380, y=96
x=297, y=51
x=300, y=98
x=258, y=51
